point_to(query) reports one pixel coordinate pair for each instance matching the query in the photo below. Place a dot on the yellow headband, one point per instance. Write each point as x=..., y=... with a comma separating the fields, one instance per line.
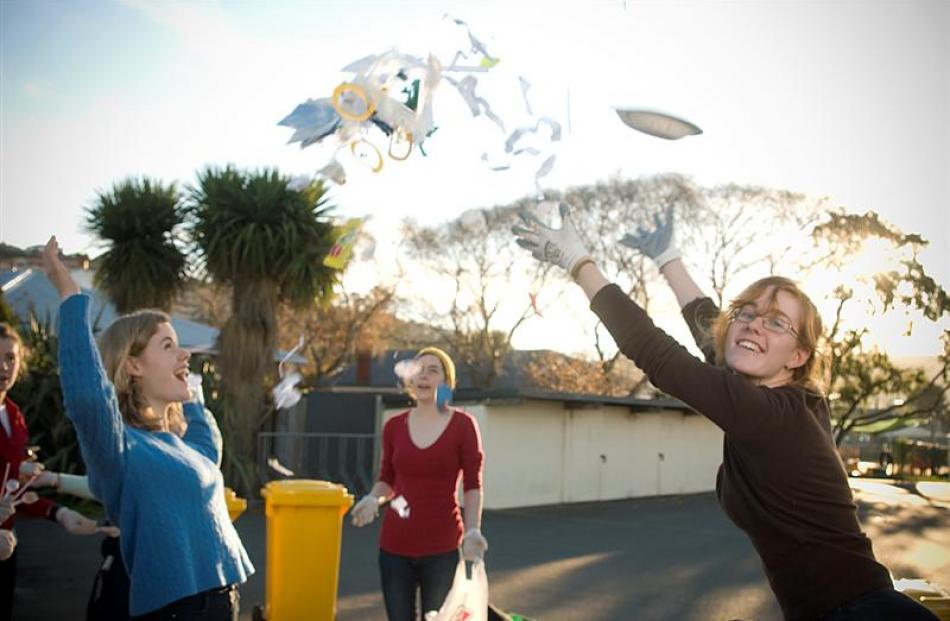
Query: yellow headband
x=447, y=365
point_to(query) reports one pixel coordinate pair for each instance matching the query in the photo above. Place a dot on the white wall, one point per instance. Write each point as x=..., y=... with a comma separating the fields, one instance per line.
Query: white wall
x=539, y=452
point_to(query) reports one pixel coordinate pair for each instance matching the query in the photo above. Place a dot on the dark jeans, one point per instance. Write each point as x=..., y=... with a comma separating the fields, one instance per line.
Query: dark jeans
x=881, y=605
x=400, y=575
x=214, y=605
x=109, y=600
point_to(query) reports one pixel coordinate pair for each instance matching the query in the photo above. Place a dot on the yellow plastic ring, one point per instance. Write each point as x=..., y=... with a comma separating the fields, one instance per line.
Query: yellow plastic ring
x=399, y=135
x=356, y=89
x=379, y=157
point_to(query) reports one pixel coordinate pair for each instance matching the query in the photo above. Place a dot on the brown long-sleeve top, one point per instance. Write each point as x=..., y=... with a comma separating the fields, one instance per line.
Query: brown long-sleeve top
x=781, y=479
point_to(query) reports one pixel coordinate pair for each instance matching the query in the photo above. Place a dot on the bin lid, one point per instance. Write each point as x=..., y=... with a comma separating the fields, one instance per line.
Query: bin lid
x=306, y=492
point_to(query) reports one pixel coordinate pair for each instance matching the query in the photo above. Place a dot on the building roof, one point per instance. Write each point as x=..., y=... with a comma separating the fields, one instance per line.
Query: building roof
x=509, y=386
x=29, y=291
x=380, y=372
x=395, y=397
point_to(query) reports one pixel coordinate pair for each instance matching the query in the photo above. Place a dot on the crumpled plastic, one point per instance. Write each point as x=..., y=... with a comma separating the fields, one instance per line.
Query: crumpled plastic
x=400, y=505
x=390, y=91
x=313, y=120
x=194, y=386
x=342, y=248
x=407, y=369
x=393, y=92
x=285, y=393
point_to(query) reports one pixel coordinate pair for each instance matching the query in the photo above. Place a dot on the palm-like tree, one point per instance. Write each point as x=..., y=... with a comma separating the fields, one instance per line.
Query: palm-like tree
x=266, y=241
x=143, y=265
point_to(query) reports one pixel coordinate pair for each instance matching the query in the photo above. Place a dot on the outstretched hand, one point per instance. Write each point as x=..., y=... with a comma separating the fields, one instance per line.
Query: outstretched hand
x=56, y=271
x=561, y=246
x=75, y=523
x=656, y=243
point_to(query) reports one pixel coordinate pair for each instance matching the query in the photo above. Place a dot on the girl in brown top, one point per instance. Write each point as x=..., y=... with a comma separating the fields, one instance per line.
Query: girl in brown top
x=781, y=480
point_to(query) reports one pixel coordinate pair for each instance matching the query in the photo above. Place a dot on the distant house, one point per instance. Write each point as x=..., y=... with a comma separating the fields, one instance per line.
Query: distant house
x=28, y=291
x=541, y=447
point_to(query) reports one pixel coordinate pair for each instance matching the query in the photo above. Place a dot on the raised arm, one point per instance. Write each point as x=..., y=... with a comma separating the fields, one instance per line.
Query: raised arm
x=658, y=244
x=729, y=400
x=88, y=394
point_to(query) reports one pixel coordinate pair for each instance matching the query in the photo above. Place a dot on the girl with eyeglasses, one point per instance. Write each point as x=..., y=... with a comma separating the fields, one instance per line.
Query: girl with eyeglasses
x=781, y=480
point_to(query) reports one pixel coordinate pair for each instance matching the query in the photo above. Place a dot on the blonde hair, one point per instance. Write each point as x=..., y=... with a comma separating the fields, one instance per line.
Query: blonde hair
x=127, y=337
x=809, y=375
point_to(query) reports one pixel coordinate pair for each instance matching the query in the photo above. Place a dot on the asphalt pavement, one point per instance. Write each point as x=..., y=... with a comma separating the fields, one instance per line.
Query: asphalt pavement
x=672, y=557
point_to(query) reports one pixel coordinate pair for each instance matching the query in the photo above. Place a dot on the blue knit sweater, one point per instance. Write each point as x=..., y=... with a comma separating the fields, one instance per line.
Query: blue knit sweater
x=165, y=492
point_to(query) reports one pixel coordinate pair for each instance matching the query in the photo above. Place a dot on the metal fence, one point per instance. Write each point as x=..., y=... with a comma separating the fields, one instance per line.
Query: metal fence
x=345, y=458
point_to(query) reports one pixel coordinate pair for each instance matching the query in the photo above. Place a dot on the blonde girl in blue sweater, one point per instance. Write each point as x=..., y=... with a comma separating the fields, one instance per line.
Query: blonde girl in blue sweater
x=152, y=456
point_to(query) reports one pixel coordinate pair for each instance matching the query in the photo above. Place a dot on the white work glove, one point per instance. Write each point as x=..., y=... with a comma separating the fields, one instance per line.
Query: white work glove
x=75, y=523
x=7, y=544
x=6, y=509
x=474, y=545
x=656, y=244
x=365, y=511
x=44, y=478
x=561, y=246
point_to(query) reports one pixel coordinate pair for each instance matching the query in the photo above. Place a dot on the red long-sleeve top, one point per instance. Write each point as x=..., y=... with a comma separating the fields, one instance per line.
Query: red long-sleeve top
x=13, y=452
x=428, y=481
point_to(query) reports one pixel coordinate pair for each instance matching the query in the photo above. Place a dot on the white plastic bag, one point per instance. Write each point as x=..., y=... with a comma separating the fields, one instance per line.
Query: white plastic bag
x=467, y=599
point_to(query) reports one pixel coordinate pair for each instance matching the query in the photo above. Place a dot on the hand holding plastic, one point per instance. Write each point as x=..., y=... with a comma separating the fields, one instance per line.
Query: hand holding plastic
x=474, y=545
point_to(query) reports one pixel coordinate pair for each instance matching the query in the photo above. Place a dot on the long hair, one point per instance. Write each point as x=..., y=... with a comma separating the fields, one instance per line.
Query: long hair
x=128, y=336
x=9, y=332
x=811, y=375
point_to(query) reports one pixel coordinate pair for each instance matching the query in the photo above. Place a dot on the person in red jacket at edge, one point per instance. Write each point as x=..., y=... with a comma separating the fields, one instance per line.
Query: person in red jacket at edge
x=426, y=451
x=14, y=437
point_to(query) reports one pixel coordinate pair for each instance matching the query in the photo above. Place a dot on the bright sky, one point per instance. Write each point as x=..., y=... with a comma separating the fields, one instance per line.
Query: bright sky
x=845, y=99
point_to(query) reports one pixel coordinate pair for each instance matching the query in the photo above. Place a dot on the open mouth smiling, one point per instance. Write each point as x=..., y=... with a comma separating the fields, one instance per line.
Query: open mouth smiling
x=749, y=345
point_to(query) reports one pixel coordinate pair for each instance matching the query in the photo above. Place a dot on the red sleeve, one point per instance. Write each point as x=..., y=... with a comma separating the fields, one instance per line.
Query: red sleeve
x=472, y=455
x=387, y=473
x=42, y=508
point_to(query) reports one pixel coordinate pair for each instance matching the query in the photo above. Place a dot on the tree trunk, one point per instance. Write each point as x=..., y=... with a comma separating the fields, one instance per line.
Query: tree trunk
x=246, y=351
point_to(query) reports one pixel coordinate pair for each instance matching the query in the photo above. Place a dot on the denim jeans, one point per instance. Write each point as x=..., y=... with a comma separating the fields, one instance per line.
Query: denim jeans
x=881, y=605
x=400, y=575
x=214, y=605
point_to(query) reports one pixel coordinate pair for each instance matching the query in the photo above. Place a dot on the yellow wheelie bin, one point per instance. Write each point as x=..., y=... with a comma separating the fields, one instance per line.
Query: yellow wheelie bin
x=304, y=532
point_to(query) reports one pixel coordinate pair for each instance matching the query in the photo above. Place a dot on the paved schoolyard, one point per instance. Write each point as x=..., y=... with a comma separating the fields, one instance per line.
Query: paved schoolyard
x=673, y=557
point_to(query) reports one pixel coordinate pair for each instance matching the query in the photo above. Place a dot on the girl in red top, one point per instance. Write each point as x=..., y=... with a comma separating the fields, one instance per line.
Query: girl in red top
x=426, y=450
x=14, y=437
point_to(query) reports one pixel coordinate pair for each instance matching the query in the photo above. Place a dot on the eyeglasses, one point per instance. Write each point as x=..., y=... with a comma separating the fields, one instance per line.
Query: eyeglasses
x=770, y=321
